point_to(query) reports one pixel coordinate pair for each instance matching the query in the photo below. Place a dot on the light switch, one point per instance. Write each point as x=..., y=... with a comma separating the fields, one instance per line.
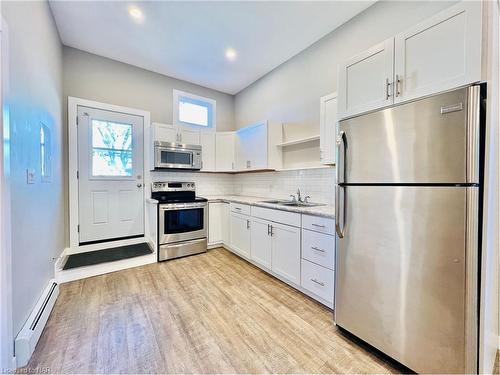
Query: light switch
x=30, y=176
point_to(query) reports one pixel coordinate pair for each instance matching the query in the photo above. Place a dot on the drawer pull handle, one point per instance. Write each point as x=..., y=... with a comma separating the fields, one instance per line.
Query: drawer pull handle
x=318, y=225
x=318, y=282
x=237, y=208
x=317, y=249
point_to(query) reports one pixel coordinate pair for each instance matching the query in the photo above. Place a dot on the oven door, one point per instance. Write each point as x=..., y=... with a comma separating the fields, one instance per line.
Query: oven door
x=175, y=158
x=182, y=222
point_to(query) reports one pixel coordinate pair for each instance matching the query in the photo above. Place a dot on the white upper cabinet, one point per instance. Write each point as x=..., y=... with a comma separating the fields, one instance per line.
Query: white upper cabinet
x=440, y=53
x=224, y=151
x=207, y=141
x=364, y=80
x=327, y=128
x=164, y=132
x=256, y=147
x=189, y=136
x=175, y=134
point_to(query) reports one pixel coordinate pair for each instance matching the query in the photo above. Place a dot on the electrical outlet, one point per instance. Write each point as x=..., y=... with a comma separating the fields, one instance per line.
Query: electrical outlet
x=30, y=176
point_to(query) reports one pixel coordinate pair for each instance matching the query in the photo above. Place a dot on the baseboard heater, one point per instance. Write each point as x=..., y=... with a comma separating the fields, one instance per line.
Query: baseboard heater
x=29, y=335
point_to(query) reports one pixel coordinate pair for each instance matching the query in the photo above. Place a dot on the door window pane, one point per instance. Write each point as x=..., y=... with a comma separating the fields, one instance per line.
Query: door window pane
x=111, y=149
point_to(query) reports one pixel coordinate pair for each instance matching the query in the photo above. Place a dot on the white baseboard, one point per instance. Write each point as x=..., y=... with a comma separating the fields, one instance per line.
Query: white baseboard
x=64, y=276
x=32, y=329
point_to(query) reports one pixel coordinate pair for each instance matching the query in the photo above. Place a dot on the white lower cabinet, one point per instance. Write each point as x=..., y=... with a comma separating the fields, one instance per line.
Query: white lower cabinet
x=318, y=280
x=240, y=234
x=215, y=222
x=261, y=242
x=286, y=252
x=225, y=223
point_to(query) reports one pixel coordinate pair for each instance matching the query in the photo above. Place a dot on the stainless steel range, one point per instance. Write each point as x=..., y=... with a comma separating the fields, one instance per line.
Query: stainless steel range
x=182, y=219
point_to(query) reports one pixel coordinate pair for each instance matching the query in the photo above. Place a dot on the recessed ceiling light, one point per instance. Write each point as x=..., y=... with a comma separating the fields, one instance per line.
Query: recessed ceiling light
x=135, y=13
x=231, y=54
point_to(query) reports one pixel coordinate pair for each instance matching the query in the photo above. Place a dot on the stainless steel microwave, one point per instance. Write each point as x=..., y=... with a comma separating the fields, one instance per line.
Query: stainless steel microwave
x=177, y=156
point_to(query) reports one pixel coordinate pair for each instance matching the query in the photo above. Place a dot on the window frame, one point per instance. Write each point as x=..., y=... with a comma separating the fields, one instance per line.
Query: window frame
x=91, y=148
x=212, y=113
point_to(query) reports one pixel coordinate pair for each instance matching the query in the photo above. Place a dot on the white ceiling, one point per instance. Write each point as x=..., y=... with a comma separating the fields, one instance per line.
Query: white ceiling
x=187, y=40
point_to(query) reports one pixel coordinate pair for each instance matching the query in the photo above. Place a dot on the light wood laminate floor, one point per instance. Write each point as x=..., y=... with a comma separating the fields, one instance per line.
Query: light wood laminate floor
x=210, y=313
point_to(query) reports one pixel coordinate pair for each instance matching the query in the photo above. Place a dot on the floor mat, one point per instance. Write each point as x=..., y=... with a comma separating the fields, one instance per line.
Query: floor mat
x=107, y=255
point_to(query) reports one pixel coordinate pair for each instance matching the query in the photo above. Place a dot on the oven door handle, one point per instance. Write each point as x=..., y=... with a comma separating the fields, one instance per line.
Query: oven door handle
x=188, y=206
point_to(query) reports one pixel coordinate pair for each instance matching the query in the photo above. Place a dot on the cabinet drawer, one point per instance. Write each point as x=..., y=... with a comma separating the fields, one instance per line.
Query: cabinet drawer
x=317, y=280
x=278, y=216
x=239, y=208
x=318, y=224
x=318, y=248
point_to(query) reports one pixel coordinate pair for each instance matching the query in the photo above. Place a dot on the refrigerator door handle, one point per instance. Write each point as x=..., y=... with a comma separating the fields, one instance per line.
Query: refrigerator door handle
x=473, y=125
x=340, y=212
x=341, y=141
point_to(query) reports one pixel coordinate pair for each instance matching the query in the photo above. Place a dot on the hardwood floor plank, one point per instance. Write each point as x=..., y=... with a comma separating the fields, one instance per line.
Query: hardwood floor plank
x=210, y=313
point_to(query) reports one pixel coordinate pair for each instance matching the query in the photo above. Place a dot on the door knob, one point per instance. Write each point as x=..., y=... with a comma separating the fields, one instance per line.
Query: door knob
x=139, y=185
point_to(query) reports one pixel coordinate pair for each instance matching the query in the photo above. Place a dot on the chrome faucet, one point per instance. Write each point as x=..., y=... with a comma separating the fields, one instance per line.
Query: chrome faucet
x=299, y=197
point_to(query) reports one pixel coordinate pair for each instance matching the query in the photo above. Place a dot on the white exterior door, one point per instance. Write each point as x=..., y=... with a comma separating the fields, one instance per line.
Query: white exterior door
x=110, y=182
x=364, y=80
x=440, y=53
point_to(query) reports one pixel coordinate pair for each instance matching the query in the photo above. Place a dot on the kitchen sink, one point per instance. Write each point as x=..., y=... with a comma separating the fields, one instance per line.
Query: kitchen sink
x=293, y=203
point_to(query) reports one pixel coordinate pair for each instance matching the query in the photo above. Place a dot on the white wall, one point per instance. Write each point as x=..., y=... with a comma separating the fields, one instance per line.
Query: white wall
x=35, y=96
x=93, y=77
x=290, y=93
x=489, y=313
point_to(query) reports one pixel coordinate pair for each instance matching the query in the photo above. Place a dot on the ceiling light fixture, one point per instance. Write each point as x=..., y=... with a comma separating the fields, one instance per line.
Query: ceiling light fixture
x=231, y=54
x=135, y=13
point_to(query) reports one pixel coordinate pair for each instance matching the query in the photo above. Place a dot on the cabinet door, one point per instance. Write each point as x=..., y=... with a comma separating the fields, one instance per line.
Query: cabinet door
x=225, y=223
x=240, y=234
x=189, y=136
x=251, y=147
x=364, y=80
x=261, y=242
x=286, y=252
x=164, y=133
x=215, y=222
x=208, y=151
x=224, y=151
x=440, y=53
x=328, y=121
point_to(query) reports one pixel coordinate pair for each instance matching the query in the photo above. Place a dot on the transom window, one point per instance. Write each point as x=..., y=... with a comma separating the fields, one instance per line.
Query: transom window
x=111, y=149
x=193, y=110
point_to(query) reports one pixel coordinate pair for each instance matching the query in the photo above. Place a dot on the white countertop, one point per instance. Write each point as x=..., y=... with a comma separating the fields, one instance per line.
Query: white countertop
x=323, y=211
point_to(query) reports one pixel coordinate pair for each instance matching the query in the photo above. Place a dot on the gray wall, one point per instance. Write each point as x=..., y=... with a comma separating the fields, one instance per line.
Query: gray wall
x=291, y=92
x=93, y=77
x=34, y=97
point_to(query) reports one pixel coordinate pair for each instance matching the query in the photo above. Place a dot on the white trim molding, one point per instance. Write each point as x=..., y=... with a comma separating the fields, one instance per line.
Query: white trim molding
x=73, y=104
x=7, y=359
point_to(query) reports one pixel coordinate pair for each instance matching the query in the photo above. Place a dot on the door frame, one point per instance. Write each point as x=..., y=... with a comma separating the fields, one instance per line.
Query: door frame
x=73, y=104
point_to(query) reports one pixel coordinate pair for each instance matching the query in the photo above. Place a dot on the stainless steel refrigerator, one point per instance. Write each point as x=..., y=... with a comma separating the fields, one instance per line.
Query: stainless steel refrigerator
x=408, y=207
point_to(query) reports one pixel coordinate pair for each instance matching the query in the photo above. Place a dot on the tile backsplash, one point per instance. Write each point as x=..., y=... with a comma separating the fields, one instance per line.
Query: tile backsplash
x=318, y=183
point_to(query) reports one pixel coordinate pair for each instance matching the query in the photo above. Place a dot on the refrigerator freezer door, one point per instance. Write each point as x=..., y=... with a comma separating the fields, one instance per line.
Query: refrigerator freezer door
x=426, y=141
x=401, y=274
